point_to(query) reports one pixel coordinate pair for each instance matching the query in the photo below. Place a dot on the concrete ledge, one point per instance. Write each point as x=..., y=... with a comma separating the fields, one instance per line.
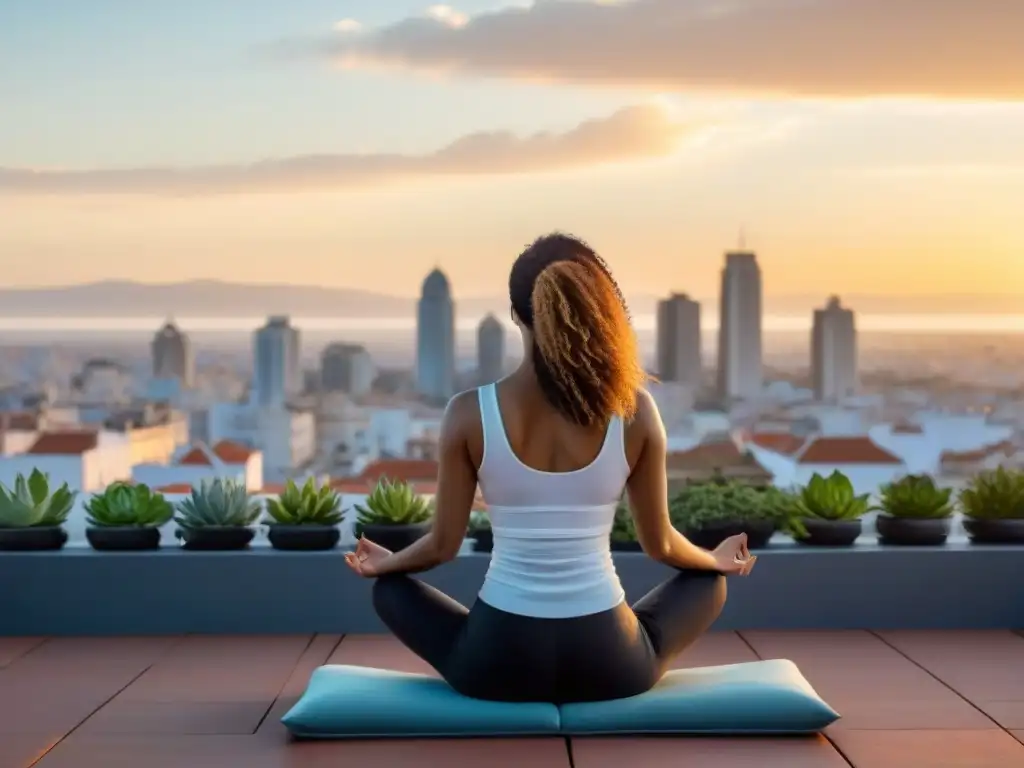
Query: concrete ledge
x=82, y=592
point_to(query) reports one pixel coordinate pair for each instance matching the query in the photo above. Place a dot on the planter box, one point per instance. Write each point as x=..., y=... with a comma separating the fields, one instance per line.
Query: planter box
x=262, y=591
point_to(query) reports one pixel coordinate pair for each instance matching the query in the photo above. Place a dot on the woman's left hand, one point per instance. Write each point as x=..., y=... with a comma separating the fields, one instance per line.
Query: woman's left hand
x=367, y=558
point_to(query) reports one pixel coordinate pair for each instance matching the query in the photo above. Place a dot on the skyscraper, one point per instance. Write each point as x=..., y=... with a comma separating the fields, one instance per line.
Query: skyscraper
x=277, y=375
x=490, y=350
x=347, y=368
x=740, y=373
x=678, y=342
x=435, y=338
x=834, y=352
x=172, y=355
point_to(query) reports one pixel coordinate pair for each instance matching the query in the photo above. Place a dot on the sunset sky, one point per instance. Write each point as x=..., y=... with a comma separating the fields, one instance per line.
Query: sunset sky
x=863, y=146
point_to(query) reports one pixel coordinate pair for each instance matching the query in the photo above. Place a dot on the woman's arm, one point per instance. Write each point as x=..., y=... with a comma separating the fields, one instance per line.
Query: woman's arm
x=648, y=495
x=456, y=491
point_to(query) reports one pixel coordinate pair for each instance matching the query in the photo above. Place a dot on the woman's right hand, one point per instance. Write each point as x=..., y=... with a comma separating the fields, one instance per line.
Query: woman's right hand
x=732, y=556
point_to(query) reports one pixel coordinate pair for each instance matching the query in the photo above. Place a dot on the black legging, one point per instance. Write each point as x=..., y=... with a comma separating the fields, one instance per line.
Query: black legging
x=491, y=654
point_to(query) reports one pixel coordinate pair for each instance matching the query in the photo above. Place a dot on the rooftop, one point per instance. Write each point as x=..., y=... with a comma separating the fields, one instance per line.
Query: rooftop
x=908, y=698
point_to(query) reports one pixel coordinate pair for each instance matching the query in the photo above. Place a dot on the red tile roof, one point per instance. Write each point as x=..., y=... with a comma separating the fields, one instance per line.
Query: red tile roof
x=195, y=458
x=716, y=454
x=1006, y=448
x=232, y=453
x=69, y=443
x=174, y=488
x=846, y=450
x=401, y=469
x=21, y=421
x=779, y=442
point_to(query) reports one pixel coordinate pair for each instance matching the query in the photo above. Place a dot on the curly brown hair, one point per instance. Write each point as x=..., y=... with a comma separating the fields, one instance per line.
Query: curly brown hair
x=584, y=347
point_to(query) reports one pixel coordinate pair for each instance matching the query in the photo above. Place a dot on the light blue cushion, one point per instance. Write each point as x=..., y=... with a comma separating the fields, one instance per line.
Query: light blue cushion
x=758, y=697
x=344, y=702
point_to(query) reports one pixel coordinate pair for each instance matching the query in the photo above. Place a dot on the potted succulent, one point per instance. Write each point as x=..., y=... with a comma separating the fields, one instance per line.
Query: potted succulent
x=304, y=518
x=829, y=512
x=218, y=515
x=394, y=515
x=993, y=507
x=32, y=518
x=915, y=511
x=480, y=531
x=126, y=517
x=709, y=512
x=623, y=535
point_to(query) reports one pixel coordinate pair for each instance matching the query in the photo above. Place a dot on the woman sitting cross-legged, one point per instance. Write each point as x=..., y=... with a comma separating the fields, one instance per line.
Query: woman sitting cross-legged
x=552, y=447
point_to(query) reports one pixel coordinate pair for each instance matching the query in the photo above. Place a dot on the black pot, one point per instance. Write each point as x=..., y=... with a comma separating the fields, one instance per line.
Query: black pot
x=1006, y=531
x=393, y=537
x=711, y=535
x=831, y=533
x=216, y=538
x=114, y=539
x=33, y=539
x=626, y=546
x=303, y=538
x=483, y=541
x=912, y=532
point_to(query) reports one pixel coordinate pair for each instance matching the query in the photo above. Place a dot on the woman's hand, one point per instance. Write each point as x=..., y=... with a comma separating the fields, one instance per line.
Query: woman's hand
x=367, y=558
x=732, y=556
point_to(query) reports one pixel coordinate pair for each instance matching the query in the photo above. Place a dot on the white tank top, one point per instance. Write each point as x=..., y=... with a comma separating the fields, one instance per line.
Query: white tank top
x=551, y=555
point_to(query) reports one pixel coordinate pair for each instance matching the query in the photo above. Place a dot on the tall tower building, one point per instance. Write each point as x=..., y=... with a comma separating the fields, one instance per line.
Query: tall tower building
x=172, y=355
x=277, y=375
x=347, y=368
x=435, y=338
x=678, y=341
x=490, y=350
x=834, y=352
x=740, y=373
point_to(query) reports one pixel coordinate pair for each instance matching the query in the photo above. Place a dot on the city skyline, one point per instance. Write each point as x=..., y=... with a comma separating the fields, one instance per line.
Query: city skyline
x=274, y=146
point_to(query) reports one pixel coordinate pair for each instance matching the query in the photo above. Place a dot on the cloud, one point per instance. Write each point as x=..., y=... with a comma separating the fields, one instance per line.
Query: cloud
x=797, y=48
x=637, y=132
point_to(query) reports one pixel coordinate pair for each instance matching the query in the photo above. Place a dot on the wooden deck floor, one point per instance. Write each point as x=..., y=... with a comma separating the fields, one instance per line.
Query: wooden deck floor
x=909, y=700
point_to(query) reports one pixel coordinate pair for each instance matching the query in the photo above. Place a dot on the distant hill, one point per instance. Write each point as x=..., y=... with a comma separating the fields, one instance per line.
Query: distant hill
x=211, y=298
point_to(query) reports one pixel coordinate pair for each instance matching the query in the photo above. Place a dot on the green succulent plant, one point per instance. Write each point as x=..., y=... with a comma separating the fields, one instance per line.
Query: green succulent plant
x=217, y=503
x=479, y=521
x=128, y=506
x=995, y=495
x=393, y=503
x=915, y=497
x=31, y=505
x=831, y=498
x=305, y=505
x=623, y=527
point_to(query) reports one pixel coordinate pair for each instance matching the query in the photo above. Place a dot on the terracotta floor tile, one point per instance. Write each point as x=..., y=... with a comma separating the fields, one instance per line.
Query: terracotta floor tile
x=382, y=651
x=63, y=681
x=205, y=685
x=13, y=648
x=253, y=752
x=986, y=668
x=316, y=654
x=869, y=683
x=930, y=749
x=1018, y=735
x=608, y=752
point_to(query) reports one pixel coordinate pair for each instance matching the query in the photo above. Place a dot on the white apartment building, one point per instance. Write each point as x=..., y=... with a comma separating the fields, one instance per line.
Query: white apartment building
x=740, y=369
x=285, y=436
x=834, y=352
x=678, y=341
x=347, y=368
